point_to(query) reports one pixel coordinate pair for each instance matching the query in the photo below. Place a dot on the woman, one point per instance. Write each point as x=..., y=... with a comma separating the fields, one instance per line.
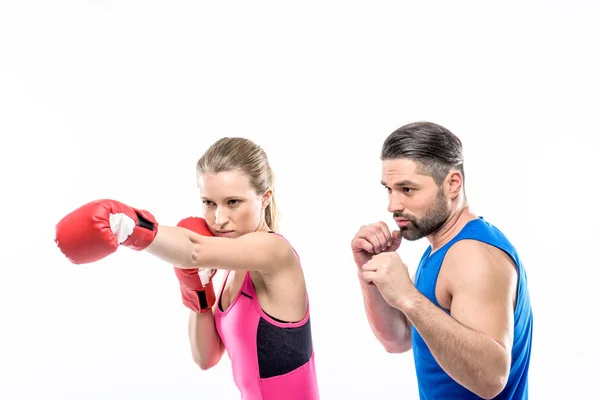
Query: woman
x=261, y=314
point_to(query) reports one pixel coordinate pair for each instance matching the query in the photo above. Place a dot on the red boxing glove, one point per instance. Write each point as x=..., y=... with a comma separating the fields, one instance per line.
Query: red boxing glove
x=197, y=290
x=96, y=229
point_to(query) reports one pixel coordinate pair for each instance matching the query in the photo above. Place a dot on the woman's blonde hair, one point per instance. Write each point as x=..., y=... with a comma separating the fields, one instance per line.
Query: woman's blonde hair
x=235, y=153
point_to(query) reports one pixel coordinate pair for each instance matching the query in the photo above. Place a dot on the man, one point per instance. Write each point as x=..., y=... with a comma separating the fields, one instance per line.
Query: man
x=466, y=312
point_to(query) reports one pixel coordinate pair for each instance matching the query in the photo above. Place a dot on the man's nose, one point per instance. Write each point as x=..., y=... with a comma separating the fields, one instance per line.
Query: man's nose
x=395, y=204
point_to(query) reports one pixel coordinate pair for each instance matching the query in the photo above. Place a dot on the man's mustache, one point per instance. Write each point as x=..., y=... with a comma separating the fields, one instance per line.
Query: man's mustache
x=407, y=217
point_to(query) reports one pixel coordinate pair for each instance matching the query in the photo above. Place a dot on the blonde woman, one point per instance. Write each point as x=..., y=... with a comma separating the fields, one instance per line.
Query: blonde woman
x=260, y=316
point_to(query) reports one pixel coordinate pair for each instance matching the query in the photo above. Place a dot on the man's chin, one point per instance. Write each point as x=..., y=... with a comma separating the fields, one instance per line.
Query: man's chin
x=410, y=235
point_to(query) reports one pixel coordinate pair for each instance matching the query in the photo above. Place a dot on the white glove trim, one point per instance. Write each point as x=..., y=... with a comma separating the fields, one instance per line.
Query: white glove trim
x=122, y=226
x=205, y=274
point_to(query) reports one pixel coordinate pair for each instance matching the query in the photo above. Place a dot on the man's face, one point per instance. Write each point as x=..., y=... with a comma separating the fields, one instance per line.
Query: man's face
x=418, y=204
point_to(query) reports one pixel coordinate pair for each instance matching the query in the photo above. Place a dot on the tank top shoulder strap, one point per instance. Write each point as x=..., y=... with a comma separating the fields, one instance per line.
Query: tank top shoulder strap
x=481, y=230
x=247, y=286
x=223, y=286
x=298, y=256
x=288, y=242
x=470, y=231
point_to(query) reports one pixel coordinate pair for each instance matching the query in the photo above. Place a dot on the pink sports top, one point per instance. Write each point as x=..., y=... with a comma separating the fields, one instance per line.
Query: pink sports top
x=271, y=359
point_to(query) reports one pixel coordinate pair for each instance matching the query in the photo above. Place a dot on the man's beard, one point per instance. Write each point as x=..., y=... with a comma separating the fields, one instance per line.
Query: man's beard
x=429, y=223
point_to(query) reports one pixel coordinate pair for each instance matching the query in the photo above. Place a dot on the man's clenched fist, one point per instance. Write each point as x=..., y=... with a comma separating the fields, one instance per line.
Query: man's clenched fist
x=390, y=275
x=374, y=239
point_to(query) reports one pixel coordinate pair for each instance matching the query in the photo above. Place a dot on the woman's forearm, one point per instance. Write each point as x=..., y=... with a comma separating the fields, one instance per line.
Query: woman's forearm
x=173, y=245
x=206, y=345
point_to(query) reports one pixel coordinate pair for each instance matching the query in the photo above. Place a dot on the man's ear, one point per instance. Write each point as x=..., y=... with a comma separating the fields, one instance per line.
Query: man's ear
x=454, y=183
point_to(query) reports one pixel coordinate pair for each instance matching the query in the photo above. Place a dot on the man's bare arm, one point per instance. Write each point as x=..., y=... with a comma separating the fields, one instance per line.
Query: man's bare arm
x=389, y=325
x=472, y=344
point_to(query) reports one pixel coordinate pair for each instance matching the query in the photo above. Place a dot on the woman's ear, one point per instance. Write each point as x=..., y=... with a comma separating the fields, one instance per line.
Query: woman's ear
x=266, y=200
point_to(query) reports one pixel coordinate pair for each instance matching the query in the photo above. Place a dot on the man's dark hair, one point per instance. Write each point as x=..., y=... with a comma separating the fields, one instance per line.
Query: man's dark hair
x=434, y=148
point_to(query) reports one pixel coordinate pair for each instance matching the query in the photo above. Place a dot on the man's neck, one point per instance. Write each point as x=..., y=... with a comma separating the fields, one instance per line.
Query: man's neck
x=454, y=224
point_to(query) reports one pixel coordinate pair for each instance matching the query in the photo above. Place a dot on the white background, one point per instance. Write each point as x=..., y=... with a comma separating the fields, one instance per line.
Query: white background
x=119, y=99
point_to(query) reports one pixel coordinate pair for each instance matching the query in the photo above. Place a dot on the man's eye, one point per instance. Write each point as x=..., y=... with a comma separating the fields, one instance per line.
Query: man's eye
x=233, y=202
x=407, y=190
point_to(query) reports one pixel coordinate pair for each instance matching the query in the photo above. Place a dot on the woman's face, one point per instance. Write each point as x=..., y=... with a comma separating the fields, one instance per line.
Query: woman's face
x=231, y=206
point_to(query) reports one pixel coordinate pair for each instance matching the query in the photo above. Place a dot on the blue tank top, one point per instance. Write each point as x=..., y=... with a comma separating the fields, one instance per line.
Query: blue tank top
x=433, y=382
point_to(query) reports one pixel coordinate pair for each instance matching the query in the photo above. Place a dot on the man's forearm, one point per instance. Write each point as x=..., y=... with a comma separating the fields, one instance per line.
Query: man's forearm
x=473, y=359
x=389, y=324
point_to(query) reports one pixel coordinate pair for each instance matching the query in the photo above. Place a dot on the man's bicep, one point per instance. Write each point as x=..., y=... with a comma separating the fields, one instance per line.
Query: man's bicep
x=482, y=292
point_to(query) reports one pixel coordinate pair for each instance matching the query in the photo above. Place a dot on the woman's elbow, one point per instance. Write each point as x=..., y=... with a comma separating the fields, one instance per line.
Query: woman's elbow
x=205, y=363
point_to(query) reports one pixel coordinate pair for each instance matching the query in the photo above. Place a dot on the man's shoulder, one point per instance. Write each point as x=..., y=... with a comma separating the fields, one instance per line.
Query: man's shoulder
x=467, y=249
x=471, y=257
x=480, y=233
